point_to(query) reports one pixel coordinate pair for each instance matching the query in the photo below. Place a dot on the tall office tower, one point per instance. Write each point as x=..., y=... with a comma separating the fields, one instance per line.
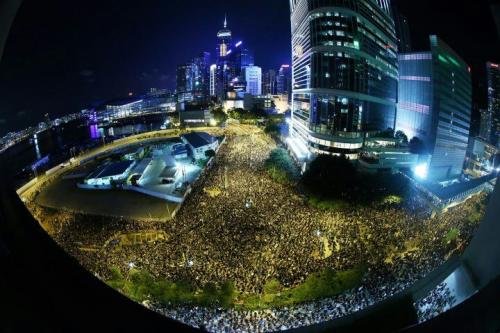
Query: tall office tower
x=486, y=124
x=402, y=30
x=242, y=58
x=226, y=68
x=435, y=104
x=253, y=78
x=213, y=77
x=269, y=82
x=185, y=82
x=201, y=76
x=493, y=77
x=284, y=81
x=344, y=73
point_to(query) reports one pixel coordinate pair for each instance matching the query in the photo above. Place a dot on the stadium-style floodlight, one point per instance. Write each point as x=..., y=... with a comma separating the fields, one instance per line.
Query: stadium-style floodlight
x=421, y=171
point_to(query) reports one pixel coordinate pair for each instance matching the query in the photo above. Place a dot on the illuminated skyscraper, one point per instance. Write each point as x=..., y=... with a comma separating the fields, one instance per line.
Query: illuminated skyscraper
x=226, y=68
x=225, y=38
x=243, y=57
x=185, y=82
x=485, y=124
x=435, y=104
x=253, y=78
x=193, y=79
x=284, y=81
x=402, y=31
x=201, y=76
x=344, y=73
x=213, y=76
x=269, y=82
x=493, y=77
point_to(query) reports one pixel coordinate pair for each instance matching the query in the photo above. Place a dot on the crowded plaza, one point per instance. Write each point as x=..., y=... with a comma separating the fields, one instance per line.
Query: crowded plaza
x=240, y=225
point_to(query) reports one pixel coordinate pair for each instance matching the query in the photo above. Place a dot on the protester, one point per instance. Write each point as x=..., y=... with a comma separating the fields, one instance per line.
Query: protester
x=239, y=225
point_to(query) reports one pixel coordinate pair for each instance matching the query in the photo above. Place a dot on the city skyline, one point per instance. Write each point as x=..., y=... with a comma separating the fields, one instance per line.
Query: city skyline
x=77, y=73
x=307, y=165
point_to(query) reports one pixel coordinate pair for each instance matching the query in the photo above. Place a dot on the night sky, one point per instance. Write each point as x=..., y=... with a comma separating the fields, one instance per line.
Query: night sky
x=64, y=55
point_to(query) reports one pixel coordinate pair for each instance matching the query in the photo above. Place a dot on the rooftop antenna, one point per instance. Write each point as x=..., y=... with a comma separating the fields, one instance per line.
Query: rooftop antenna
x=225, y=21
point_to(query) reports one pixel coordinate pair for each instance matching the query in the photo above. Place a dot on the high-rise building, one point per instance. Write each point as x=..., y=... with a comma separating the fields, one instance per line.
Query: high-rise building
x=435, y=104
x=226, y=67
x=493, y=78
x=402, y=30
x=284, y=81
x=243, y=57
x=344, y=73
x=193, y=79
x=269, y=82
x=253, y=79
x=213, y=78
x=185, y=82
x=201, y=76
x=486, y=124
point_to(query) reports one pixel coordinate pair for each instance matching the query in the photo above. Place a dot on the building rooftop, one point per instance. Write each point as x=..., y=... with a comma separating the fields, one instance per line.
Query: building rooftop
x=199, y=139
x=448, y=192
x=112, y=169
x=179, y=149
x=141, y=166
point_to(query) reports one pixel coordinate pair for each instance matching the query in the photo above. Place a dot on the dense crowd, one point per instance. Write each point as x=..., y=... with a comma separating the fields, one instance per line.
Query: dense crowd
x=239, y=225
x=439, y=300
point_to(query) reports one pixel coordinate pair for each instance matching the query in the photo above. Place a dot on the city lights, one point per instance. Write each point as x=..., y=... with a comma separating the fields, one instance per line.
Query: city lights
x=272, y=191
x=421, y=170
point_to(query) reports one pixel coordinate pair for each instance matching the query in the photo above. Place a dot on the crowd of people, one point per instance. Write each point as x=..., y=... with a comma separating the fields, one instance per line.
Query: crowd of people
x=438, y=301
x=252, y=229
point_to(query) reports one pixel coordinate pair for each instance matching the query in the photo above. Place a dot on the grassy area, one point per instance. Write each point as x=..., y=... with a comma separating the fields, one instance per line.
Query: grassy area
x=281, y=167
x=140, y=285
x=328, y=204
x=320, y=285
x=392, y=199
x=477, y=213
x=451, y=235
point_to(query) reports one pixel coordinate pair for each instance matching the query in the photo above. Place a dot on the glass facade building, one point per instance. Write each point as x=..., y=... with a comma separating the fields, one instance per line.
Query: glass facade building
x=485, y=124
x=435, y=104
x=253, y=79
x=402, y=30
x=269, y=82
x=493, y=77
x=344, y=73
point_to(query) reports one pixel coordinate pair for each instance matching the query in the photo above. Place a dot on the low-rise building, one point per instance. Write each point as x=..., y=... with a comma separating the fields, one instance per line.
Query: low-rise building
x=123, y=107
x=480, y=160
x=107, y=174
x=386, y=154
x=199, y=143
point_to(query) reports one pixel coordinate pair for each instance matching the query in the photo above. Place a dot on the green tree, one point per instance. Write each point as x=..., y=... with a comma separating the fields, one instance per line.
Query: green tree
x=272, y=128
x=227, y=294
x=401, y=137
x=219, y=115
x=388, y=133
x=417, y=146
x=280, y=166
x=330, y=176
